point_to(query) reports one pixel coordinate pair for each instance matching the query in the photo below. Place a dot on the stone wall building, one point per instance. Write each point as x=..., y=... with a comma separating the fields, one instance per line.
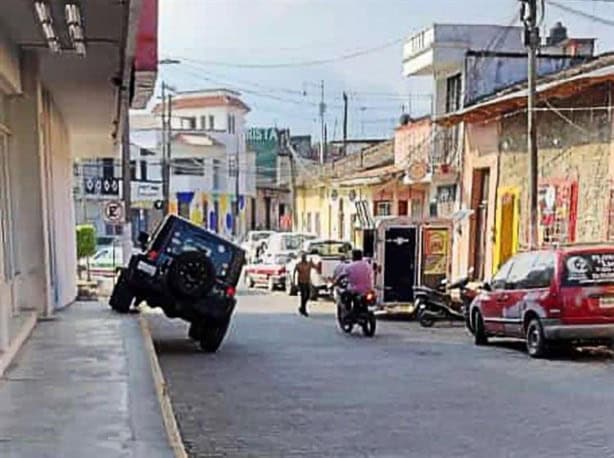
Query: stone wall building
x=575, y=166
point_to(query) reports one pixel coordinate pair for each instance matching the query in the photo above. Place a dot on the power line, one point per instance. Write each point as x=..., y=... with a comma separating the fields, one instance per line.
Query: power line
x=306, y=63
x=583, y=14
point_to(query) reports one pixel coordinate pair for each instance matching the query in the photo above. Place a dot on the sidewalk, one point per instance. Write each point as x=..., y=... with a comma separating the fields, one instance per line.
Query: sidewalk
x=82, y=386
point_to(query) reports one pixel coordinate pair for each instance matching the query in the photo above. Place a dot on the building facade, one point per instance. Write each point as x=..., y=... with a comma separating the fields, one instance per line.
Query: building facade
x=44, y=124
x=208, y=148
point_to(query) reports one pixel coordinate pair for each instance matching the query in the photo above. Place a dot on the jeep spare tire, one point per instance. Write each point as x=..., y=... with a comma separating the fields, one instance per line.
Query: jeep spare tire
x=191, y=275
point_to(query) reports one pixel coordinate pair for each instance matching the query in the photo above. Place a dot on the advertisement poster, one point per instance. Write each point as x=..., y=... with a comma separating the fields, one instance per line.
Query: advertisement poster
x=557, y=200
x=435, y=251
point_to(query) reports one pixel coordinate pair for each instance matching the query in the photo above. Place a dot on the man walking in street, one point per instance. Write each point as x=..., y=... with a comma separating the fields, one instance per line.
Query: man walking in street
x=303, y=271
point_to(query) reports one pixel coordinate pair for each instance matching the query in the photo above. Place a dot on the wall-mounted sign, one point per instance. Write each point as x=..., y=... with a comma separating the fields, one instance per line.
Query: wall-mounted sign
x=417, y=171
x=103, y=186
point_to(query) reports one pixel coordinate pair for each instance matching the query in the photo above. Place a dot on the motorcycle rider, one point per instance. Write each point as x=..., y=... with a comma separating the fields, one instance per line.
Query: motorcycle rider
x=359, y=275
x=340, y=268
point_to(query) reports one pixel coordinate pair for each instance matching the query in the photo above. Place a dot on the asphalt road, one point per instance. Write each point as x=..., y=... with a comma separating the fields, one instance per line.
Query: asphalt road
x=282, y=385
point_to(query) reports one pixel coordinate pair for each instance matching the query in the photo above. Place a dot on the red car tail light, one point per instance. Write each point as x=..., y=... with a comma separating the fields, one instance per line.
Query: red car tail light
x=370, y=297
x=230, y=291
x=152, y=255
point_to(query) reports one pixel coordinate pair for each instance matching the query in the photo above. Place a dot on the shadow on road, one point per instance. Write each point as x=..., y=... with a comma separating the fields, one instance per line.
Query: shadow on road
x=562, y=353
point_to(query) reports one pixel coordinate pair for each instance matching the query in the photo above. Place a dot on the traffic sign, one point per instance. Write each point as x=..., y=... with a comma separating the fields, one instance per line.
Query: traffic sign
x=114, y=212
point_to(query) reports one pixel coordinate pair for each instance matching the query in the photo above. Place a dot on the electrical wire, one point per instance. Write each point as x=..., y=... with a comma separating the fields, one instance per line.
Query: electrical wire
x=306, y=63
x=589, y=16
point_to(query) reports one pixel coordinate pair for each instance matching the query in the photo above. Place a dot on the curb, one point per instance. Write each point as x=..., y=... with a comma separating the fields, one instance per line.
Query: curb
x=166, y=407
x=9, y=355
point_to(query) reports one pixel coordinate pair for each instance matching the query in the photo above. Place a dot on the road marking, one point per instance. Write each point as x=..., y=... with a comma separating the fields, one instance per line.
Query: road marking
x=168, y=415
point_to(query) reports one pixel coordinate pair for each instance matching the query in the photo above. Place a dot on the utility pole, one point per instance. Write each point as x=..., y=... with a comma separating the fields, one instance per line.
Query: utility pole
x=236, y=175
x=165, y=181
x=126, y=191
x=322, y=111
x=167, y=128
x=532, y=42
x=345, y=122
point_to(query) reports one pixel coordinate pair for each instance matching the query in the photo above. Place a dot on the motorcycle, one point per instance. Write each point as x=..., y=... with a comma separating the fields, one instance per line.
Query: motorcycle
x=353, y=309
x=437, y=304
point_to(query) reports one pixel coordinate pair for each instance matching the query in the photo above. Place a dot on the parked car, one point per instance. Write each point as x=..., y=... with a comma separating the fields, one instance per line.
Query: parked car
x=187, y=271
x=269, y=272
x=105, y=262
x=286, y=243
x=326, y=254
x=561, y=295
x=254, y=242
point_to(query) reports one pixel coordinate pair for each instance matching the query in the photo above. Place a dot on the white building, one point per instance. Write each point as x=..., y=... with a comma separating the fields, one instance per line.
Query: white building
x=60, y=98
x=208, y=138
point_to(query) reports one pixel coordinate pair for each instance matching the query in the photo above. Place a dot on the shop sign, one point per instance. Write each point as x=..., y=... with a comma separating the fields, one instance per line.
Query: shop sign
x=435, y=251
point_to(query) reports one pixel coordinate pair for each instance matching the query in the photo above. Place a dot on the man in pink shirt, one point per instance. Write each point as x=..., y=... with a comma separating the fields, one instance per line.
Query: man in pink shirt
x=359, y=274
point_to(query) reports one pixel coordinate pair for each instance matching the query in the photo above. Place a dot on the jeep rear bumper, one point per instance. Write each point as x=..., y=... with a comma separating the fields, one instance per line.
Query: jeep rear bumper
x=555, y=330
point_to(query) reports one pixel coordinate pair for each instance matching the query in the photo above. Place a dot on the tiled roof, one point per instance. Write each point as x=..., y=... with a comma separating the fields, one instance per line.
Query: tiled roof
x=205, y=102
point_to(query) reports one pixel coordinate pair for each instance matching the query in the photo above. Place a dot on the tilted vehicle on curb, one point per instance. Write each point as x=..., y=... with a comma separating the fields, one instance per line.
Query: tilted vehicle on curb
x=326, y=254
x=563, y=295
x=188, y=272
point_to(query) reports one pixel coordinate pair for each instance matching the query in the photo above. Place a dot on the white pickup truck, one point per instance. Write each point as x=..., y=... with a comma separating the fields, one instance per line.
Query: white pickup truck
x=326, y=254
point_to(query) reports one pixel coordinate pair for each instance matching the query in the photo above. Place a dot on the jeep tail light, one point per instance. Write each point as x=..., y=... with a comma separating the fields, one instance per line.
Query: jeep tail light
x=370, y=297
x=152, y=255
x=230, y=291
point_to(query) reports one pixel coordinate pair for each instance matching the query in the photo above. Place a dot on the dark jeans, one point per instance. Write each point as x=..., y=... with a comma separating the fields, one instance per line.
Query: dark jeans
x=304, y=290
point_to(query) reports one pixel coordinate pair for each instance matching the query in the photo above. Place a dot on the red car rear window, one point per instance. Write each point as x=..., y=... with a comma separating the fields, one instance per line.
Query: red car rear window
x=583, y=269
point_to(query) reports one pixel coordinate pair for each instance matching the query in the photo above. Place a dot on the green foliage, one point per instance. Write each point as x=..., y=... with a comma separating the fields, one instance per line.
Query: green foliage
x=86, y=240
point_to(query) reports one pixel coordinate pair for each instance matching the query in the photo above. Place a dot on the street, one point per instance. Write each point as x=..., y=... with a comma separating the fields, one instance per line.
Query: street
x=282, y=385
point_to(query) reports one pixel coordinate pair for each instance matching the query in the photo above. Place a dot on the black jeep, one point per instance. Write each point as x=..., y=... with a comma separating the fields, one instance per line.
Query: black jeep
x=187, y=271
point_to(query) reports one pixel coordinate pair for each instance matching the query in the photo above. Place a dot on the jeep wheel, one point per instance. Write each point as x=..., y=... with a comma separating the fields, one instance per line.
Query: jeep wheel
x=122, y=296
x=212, y=335
x=536, y=342
x=191, y=274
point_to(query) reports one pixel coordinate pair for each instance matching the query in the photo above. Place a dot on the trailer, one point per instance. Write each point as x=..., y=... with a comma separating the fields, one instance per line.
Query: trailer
x=408, y=252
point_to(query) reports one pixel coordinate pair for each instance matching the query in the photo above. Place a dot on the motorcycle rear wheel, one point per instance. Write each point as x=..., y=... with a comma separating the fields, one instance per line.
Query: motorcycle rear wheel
x=344, y=324
x=425, y=320
x=368, y=327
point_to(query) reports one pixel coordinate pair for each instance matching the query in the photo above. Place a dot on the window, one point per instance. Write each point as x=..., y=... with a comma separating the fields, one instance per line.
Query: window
x=231, y=124
x=586, y=269
x=108, y=168
x=541, y=273
x=216, y=174
x=211, y=122
x=520, y=271
x=383, y=208
x=317, y=226
x=453, y=93
x=132, y=170
x=188, y=122
x=309, y=222
x=402, y=208
x=203, y=122
x=144, y=170
x=500, y=278
x=189, y=166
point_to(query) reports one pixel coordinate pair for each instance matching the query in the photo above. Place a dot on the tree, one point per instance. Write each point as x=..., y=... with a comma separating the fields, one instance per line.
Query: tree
x=86, y=244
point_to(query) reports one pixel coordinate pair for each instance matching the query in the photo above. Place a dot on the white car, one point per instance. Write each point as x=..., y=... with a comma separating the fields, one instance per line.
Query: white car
x=326, y=254
x=254, y=242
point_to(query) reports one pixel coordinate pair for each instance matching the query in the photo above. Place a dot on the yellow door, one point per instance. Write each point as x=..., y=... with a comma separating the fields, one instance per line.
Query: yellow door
x=508, y=212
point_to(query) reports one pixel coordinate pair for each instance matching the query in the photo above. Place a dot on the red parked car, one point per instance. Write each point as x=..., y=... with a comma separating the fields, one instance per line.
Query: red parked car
x=564, y=294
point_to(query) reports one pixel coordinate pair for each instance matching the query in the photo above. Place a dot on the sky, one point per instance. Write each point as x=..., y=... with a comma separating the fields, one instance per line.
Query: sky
x=219, y=43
